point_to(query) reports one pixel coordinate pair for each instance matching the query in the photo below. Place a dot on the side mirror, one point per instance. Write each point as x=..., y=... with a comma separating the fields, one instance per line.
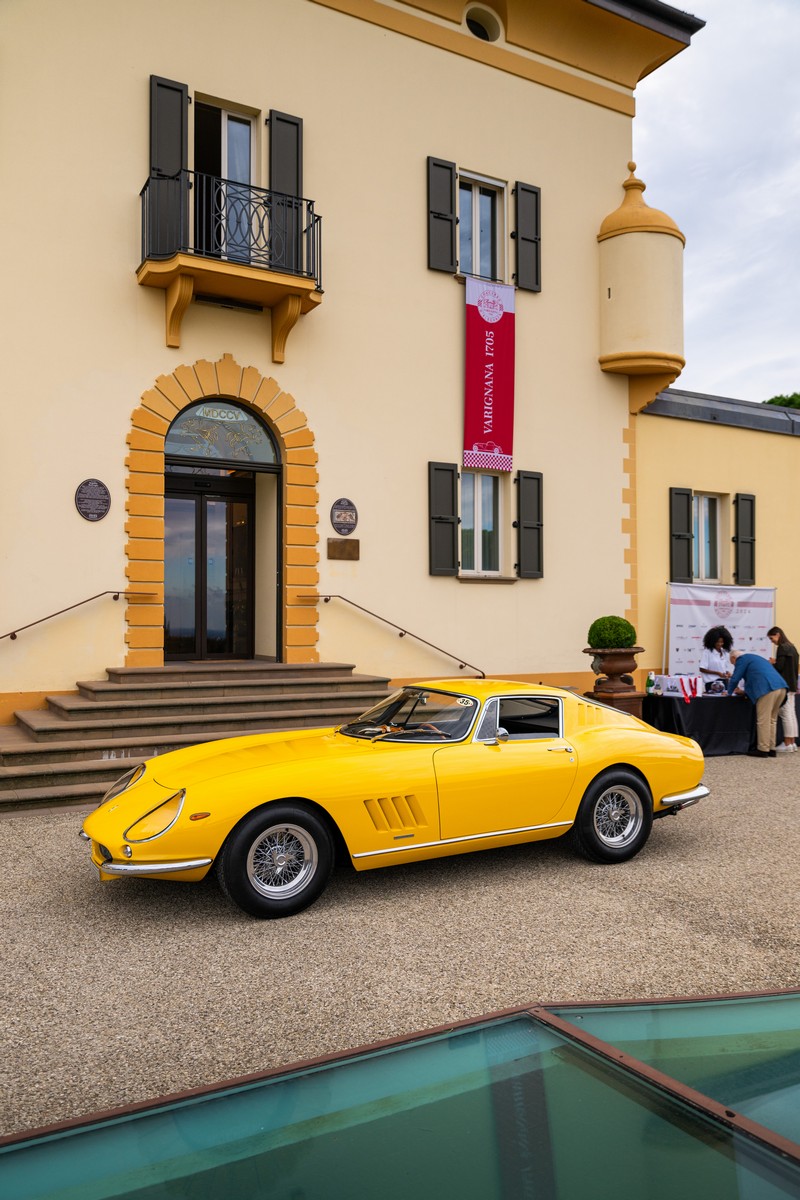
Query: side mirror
x=501, y=735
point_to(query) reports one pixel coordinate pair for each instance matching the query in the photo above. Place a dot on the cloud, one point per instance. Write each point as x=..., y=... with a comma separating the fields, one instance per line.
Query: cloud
x=717, y=140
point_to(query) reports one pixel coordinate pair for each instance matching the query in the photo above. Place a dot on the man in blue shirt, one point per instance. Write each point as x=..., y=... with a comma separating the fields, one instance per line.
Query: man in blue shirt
x=767, y=690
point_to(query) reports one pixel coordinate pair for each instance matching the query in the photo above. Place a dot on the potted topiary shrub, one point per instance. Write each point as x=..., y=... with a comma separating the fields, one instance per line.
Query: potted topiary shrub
x=612, y=645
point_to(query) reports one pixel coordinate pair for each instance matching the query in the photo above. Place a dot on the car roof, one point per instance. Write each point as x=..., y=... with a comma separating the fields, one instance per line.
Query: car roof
x=481, y=689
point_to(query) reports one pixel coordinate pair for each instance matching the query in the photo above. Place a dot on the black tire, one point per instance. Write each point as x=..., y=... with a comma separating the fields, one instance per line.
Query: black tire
x=276, y=861
x=614, y=819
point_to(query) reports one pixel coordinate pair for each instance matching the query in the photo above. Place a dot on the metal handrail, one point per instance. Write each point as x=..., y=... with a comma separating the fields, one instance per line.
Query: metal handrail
x=462, y=663
x=116, y=594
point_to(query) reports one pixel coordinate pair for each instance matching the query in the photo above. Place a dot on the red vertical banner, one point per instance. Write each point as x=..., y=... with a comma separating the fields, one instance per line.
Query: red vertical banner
x=489, y=377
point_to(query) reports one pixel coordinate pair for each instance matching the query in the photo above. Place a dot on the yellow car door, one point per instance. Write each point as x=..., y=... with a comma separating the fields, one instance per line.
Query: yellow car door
x=516, y=775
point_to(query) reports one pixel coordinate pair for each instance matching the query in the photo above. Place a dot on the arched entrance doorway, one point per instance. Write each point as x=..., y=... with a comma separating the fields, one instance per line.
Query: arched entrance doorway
x=222, y=520
x=296, y=545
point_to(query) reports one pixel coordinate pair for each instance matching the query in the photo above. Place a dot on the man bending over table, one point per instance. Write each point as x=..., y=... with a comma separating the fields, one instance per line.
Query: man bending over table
x=767, y=690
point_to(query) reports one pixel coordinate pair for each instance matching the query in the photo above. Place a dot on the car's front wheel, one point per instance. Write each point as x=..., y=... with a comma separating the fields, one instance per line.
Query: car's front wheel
x=614, y=819
x=276, y=861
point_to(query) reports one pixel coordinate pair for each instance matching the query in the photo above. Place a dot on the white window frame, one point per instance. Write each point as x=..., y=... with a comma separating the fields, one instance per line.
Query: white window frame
x=477, y=569
x=500, y=189
x=701, y=522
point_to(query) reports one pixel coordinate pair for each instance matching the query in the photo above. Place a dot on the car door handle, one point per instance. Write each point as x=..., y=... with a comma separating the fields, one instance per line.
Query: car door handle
x=559, y=750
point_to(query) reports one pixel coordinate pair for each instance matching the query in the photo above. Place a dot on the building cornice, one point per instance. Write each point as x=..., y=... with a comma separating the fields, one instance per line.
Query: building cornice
x=653, y=14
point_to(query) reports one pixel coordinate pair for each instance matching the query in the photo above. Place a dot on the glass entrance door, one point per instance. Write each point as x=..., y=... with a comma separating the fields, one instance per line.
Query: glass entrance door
x=208, y=573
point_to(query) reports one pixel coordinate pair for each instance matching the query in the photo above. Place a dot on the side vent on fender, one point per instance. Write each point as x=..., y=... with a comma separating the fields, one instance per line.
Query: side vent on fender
x=395, y=812
x=589, y=714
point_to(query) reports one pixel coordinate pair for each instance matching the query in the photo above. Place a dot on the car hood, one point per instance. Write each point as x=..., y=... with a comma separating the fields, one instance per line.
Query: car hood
x=235, y=755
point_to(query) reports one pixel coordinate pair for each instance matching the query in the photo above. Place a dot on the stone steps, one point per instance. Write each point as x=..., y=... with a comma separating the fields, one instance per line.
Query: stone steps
x=70, y=752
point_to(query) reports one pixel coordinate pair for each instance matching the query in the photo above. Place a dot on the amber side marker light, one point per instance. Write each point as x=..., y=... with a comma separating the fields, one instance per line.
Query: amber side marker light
x=198, y=816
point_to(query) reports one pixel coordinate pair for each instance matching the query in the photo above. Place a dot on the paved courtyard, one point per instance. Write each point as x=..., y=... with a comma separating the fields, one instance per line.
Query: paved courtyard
x=116, y=993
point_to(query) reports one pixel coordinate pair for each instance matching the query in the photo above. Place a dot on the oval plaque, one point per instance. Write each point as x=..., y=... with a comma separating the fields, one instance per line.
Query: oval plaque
x=92, y=499
x=344, y=516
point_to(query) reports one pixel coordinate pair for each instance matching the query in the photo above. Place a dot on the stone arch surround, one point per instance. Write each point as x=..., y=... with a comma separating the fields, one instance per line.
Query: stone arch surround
x=144, y=549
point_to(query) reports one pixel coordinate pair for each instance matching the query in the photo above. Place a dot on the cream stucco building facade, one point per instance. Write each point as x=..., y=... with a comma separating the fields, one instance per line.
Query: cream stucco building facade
x=155, y=155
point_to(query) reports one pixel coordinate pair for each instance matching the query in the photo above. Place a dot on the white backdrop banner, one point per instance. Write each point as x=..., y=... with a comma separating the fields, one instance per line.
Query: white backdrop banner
x=693, y=608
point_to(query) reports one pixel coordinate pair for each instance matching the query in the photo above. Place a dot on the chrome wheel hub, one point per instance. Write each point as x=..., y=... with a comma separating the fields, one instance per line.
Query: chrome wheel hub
x=618, y=816
x=281, y=861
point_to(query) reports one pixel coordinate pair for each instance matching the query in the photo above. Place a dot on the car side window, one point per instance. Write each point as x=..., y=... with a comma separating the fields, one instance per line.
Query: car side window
x=530, y=717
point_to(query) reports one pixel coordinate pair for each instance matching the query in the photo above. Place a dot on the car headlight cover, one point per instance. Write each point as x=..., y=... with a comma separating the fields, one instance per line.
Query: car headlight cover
x=124, y=782
x=157, y=821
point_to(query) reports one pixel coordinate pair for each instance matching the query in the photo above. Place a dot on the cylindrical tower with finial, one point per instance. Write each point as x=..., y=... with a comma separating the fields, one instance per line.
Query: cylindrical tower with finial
x=641, y=294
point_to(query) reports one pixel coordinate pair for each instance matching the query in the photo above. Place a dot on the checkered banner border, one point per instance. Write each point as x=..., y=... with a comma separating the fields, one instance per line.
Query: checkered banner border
x=487, y=461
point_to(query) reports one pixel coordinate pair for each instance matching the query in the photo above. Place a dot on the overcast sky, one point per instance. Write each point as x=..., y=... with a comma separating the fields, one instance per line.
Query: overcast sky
x=717, y=141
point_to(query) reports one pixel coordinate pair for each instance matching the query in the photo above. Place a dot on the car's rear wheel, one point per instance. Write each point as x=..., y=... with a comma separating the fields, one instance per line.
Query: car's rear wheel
x=614, y=819
x=276, y=861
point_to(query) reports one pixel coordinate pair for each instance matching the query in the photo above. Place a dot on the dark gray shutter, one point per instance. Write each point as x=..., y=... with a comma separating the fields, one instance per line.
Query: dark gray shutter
x=166, y=224
x=286, y=177
x=441, y=215
x=530, y=509
x=443, y=516
x=681, y=554
x=745, y=540
x=528, y=233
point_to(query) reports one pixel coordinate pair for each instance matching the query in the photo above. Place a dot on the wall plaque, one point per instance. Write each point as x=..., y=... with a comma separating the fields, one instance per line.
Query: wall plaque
x=343, y=550
x=92, y=499
x=344, y=516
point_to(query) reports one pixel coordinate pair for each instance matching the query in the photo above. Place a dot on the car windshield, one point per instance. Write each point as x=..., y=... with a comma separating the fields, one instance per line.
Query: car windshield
x=417, y=715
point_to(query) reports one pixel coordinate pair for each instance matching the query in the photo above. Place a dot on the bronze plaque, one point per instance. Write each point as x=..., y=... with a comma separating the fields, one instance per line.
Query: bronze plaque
x=346, y=550
x=92, y=500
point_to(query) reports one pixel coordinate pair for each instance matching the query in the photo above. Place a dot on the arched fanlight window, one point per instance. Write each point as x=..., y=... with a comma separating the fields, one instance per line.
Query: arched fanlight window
x=220, y=429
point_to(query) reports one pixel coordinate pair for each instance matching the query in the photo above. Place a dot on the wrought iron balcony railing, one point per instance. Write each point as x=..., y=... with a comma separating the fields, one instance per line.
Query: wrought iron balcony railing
x=203, y=215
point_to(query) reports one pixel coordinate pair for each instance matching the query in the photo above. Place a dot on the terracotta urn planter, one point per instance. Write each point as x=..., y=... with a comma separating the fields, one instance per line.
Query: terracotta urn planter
x=611, y=665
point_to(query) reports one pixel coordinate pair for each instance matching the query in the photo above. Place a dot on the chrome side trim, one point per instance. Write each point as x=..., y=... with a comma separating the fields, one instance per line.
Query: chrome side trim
x=161, y=868
x=686, y=798
x=472, y=837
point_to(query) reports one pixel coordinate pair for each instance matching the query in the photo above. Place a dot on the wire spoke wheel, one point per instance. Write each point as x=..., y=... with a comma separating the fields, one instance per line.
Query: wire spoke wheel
x=282, y=861
x=618, y=817
x=615, y=817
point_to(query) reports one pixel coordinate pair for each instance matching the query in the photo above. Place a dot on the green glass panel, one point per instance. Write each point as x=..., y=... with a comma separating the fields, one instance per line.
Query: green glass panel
x=743, y=1053
x=505, y=1109
x=220, y=429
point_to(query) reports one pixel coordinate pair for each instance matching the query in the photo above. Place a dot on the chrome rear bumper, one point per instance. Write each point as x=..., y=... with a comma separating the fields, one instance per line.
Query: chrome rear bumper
x=685, y=799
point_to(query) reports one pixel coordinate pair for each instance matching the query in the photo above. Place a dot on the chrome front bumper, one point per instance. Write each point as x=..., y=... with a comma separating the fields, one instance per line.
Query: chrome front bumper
x=685, y=799
x=157, y=868
x=143, y=868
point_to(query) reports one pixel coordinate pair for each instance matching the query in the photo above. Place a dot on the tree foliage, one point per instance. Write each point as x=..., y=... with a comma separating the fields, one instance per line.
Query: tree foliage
x=792, y=401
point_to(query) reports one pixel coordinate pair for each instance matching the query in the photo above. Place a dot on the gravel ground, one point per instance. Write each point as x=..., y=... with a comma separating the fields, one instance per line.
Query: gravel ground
x=115, y=993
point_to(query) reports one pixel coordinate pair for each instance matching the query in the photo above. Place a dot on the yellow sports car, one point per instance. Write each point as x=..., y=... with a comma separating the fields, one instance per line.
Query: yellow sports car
x=437, y=768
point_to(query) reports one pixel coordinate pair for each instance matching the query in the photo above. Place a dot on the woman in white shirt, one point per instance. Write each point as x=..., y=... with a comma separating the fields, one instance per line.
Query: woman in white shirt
x=715, y=660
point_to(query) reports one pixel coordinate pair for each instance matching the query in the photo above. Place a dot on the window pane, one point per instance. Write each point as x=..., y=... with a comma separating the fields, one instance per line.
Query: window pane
x=487, y=232
x=180, y=575
x=711, y=538
x=467, y=522
x=696, y=538
x=465, y=228
x=490, y=549
x=238, y=150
